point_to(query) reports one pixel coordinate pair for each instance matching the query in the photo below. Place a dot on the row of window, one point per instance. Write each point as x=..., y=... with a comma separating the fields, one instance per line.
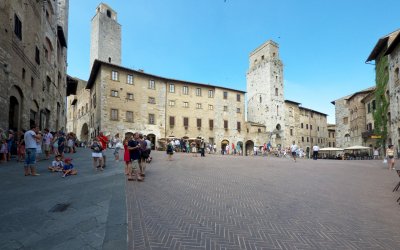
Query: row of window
x=114, y=115
x=185, y=89
x=319, y=140
x=199, y=123
x=302, y=126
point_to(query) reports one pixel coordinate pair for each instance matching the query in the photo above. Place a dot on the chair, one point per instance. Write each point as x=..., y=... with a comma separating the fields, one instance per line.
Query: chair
x=398, y=184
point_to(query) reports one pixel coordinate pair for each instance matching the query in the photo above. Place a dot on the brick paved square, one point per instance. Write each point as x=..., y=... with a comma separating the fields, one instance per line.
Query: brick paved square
x=228, y=202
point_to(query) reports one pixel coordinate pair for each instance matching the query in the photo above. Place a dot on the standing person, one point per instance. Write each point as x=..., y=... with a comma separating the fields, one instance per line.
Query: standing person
x=127, y=157
x=10, y=142
x=293, y=149
x=143, y=155
x=104, y=141
x=39, y=143
x=194, y=148
x=187, y=147
x=97, y=154
x=134, y=152
x=170, y=150
x=315, y=150
x=202, y=148
x=148, y=149
x=61, y=143
x=70, y=143
x=30, y=138
x=21, y=146
x=48, y=137
x=390, y=155
x=376, y=153
x=118, y=146
x=55, y=144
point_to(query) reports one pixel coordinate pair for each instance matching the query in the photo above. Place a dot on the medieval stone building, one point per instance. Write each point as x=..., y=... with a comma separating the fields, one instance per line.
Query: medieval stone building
x=33, y=56
x=118, y=99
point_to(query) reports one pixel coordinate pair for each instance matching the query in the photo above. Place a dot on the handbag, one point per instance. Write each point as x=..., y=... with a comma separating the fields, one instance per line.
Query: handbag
x=385, y=161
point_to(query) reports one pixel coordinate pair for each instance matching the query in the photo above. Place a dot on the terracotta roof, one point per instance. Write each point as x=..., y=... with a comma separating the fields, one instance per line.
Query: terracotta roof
x=97, y=64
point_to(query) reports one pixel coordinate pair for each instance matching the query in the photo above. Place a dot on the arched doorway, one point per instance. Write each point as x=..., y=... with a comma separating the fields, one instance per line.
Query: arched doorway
x=224, y=143
x=249, y=147
x=152, y=138
x=13, y=114
x=15, y=108
x=85, y=133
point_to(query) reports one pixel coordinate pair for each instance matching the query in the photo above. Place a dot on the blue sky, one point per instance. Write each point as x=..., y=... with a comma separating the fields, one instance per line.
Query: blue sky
x=323, y=43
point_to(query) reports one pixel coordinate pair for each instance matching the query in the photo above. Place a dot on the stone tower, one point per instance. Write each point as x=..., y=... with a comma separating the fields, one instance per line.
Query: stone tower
x=266, y=103
x=105, y=36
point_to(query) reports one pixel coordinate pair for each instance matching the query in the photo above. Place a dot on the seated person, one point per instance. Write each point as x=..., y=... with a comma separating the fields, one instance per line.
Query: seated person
x=68, y=168
x=57, y=165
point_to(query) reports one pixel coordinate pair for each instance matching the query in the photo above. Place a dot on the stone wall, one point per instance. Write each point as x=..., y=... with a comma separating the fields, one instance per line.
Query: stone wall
x=33, y=65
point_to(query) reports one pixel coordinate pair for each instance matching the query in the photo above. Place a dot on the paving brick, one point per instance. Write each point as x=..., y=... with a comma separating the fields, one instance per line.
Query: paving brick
x=226, y=202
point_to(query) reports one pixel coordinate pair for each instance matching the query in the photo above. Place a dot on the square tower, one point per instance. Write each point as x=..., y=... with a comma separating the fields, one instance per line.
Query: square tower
x=105, y=36
x=266, y=103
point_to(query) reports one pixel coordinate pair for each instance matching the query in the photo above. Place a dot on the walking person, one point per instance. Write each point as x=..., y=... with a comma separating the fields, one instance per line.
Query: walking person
x=97, y=154
x=293, y=149
x=315, y=151
x=194, y=148
x=39, y=143
x=30, y=138
x=390, y=156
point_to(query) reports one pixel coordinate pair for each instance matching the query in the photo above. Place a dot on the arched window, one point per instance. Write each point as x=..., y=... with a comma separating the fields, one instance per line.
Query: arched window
x=346, y=137
x=260, y=99
x=277, y=110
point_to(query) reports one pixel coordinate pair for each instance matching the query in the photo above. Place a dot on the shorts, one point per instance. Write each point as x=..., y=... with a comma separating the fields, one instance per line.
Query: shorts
x=293, y=153
x=30, y=157
x=135, y=164
x=391, y=156
x=46, y=147
x=97, y=155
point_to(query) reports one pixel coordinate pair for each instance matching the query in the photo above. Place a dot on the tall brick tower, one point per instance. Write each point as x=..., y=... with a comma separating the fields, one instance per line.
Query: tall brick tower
x=105, y=37
x=266, y=103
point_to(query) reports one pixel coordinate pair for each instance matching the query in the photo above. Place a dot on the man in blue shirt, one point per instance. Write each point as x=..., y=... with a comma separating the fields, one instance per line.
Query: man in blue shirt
x=30, y=138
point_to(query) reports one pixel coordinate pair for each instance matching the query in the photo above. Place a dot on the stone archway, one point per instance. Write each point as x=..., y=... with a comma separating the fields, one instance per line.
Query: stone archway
x=15, y=108
x=224, y=143
x=85, y=133
x=249, y=147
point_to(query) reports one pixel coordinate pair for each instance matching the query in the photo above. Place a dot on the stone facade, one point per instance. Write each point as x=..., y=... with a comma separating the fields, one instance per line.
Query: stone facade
x=331, y=135
x=393, y=54
x=162, y=107
x=123, y=99
x=78, y=111
x=33, y=51
x=351, y=118
x=265, y=97
x=105, y=36
x=305, y=126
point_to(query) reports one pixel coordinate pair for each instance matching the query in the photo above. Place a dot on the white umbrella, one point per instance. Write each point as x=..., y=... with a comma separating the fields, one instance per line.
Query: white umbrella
x=331, y=149
x=357, y=148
